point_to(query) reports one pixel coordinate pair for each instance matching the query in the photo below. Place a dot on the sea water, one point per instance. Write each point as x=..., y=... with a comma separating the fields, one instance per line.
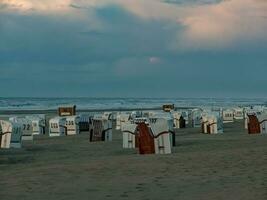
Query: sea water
x=117, y=103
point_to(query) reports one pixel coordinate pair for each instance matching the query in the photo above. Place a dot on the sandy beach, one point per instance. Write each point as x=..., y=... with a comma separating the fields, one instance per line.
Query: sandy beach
x=224, y=166
x=132, y=73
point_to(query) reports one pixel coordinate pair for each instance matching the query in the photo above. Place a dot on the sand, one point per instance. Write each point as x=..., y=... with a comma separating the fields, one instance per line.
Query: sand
x=228, y=166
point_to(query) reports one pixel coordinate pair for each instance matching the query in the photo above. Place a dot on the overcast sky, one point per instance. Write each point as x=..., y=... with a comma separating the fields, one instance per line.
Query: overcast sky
x=133, y=48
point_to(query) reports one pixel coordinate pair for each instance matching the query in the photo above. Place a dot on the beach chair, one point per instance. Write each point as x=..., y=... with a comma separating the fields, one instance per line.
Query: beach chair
x=253, y=124
x=178, y=120
x=151, y=135
x=121, y=119
x=57, y=127
x=67, y=110
x=27, y=128
x=228, y=116
x=10, y=134
x=84, y=122
x=38, y=124
x=101, y=128
x=72, y=125
x=129, y=137
x=194, y=118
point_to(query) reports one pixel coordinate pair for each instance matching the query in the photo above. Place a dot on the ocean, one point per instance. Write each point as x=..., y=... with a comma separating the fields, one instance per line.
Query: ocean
x=120, y=103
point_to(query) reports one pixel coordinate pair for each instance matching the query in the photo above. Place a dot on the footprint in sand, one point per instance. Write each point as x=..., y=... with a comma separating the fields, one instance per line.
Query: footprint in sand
x=140, y=187
x=124, y=195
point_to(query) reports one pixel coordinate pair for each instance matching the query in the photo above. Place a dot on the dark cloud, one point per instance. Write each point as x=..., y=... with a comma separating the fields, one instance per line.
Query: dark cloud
x=3, y=6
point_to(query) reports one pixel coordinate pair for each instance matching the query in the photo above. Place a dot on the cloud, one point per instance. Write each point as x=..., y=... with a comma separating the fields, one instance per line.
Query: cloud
x=36, y=5
x=138, y=66
x=54, y=41
x=170, y=48
x=154, y=60
x=227, y=24
x=206, y=23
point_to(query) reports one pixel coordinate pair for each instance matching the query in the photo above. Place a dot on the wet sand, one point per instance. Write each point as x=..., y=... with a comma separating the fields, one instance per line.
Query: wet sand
x=229, y=166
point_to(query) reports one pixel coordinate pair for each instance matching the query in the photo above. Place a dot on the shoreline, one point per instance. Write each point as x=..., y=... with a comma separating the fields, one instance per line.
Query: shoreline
x=54, y=111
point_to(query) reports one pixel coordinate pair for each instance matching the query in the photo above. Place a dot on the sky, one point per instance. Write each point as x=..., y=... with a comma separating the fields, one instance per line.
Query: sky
x=133, y=48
